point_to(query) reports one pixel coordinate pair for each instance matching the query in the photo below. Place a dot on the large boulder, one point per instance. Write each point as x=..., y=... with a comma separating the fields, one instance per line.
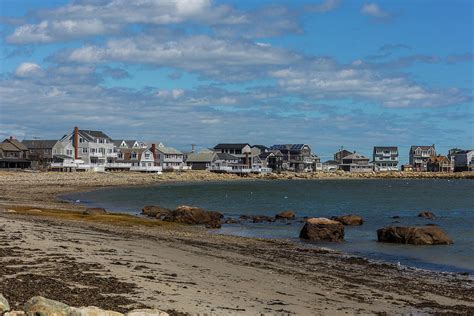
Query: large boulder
x=351, y=220
x=286, y=215
x=415, y=235
x=194, y=216
x=40, y=306
x=427, y=215
x=322, y=229
x=4, y=306
x=155, y=211
x=90, y=311
x=146, y=312
x=95, y=211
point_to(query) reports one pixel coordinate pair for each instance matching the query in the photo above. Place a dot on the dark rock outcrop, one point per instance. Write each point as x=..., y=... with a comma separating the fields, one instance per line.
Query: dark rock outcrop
x=286, y=215
x=194, y=216
x=427, y=215
x=94, y=211
x=257, y=218
x=155, y=211
x=322, y=229
x=351, y=220
x=415, y=235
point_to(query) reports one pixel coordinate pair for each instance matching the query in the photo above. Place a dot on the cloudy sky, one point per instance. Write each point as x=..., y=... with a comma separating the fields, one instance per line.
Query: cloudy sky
x=329, y=73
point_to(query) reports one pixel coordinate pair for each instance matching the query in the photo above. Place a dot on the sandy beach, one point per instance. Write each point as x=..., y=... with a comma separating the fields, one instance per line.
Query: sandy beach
x=122, y=262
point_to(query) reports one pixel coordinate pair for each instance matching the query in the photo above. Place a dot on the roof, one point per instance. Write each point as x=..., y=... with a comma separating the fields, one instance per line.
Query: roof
x=11, y=144
x=91, y=135
x=261, y=147
x=226, y=156
x=355, y=156
x=438, y=159
x=39, y=143
x=231, y=146
x=330, y=162
x=386, y=147
x=207, y=156
x=168, y=150
x=290, y=147
x=422, y=147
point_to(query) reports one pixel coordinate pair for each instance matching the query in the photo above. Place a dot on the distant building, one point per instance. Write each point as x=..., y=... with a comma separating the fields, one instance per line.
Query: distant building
x=272, y=159
x=170, y=158
x=439, y=164
x=40, y=152
x=296, y=157
x=90, y=150
x=419, y=156
x=341, y=154
x=385, y=158
x=356, y=163
x=243, y=151
x=330, y=166
x=13, y=154
x=202, y=160
x=463, y=160
x=407, y=167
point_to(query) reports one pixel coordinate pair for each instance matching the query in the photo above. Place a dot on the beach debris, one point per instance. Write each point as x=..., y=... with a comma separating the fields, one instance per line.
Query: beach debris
x=147, y=312
x=94, y=211
x=286, y=215
x=194, y=216
x=350, y=220
x=155, y=211
x=427, y=215
x=41, y=306
x=4, y=306
x=323, y=229
x=415, y=235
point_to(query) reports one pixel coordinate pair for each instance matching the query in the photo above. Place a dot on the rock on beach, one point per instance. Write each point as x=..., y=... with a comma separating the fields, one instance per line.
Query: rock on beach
x=350, y=220
x=40, y=306
x=94, y=211
x=155, y=211
x=323, y=229
x=286, y=215
x=194, y=216
x=415, y=235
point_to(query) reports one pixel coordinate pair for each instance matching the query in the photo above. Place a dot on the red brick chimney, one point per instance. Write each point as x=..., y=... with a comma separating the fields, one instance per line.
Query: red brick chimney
x=76, y=142
x=153, y=150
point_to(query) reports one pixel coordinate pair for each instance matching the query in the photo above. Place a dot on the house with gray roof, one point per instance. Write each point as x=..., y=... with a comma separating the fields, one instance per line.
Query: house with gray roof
x=170, y=158
x=356, y=163
x=419, y=156
x=14, y=154
x=296, y=157
x=40, y=152
x=201, y=160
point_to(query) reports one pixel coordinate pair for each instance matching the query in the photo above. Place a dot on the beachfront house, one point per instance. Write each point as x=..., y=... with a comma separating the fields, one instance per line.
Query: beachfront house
x=170, y=158
x=341, y=154
x=243, y=151
x=272, y=159
x=356, y=163
x=40, y=152
x=90, y=150
x=463, y=160
x=296, y=157
x=419, y=156
x=201, y=160
x=385, y=158
x=14, y=154
x=135, y=158
x=439, y=164
x=330, y=166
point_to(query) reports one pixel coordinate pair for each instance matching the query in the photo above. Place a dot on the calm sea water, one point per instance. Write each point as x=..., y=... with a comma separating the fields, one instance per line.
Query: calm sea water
x=375, y=200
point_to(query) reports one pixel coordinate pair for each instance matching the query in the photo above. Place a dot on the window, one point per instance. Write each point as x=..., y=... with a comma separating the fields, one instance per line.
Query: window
x=84, y=150
x=134, y=155
x=69, y=152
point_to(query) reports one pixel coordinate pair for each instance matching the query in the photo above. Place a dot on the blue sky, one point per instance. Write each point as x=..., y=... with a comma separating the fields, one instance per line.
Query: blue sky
x=328, y=73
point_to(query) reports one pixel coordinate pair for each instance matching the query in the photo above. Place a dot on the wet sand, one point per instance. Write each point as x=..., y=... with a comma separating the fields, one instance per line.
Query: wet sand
x=123, y=264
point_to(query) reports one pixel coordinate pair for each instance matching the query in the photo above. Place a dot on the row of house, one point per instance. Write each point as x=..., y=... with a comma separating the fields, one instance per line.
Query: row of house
x=82, y=150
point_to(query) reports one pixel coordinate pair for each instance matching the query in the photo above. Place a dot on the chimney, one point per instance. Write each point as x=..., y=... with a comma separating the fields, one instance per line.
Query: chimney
x=12, y=138
x=76, y=142
x=153, y=150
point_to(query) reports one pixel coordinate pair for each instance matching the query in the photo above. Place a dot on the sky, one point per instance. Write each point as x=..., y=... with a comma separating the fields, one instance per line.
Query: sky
x=327, y=73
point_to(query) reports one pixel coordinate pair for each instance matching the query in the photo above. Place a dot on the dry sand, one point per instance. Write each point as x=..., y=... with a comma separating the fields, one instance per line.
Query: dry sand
x=94, y=260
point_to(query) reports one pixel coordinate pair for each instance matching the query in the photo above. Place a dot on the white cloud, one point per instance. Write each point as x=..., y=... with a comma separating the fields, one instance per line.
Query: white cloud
x=325, y=6
x=28, y=70
x=374, y=10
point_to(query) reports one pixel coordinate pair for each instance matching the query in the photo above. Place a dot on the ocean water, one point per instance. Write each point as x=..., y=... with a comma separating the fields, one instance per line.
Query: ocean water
x=377, y=201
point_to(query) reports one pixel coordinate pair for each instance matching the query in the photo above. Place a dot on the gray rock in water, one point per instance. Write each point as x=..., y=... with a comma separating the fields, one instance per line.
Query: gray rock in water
x=323, y=229
x=40, y=306
x=4, y=306
x=415, y=235
x=146, y=312
x=94, y=211
x=351, y=220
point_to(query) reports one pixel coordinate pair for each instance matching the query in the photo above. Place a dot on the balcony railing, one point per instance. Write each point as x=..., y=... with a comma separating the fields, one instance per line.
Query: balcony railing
x=146, y=168
x=118, y=165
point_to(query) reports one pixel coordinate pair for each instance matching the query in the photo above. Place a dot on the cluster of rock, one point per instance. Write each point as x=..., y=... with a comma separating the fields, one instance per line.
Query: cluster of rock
x=286, y=215
x=40, y=306
x=185, y=215
x=324, y=229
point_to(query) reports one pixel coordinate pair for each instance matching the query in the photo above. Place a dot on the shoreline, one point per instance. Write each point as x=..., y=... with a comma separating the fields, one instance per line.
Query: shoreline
x=323, y=281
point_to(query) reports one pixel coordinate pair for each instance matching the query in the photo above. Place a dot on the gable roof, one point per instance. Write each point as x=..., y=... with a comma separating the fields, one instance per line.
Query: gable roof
x=226, y=156
x=290, y=147
x=207, y=156
x=39, y=143
x=413, y=148
x=91, y=135
x=355, y=156
x=231, y=146
x=11, y=144
x=386, y=147
x=168, y=150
